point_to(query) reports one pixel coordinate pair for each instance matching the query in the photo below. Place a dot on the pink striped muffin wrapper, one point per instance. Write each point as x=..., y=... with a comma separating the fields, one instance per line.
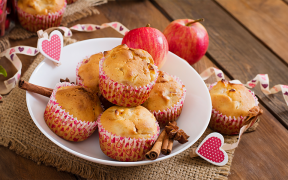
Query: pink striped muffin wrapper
x=171, y=114
x=121, y=94
x=79, y=81
x=34, y=23
x=228, y=125
x=122, y=148
x=63, y=124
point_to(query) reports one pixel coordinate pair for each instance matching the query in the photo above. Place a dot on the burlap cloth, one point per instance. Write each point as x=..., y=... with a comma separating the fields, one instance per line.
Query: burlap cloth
x=20, y=134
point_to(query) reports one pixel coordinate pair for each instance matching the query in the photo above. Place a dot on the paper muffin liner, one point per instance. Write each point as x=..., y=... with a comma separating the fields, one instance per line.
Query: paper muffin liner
x=171, y=114
x=34, y=23
x=228, y=125
x=63, y=124
x=123, y=148
x=121, y=94
x=70, y=1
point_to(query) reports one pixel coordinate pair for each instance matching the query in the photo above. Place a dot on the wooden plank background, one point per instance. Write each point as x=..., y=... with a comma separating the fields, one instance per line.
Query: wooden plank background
x=236, y=47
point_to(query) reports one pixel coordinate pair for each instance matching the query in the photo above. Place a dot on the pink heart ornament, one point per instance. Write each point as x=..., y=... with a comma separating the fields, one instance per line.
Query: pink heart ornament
x=51, y=48
x=210, y=149
x=114, y=25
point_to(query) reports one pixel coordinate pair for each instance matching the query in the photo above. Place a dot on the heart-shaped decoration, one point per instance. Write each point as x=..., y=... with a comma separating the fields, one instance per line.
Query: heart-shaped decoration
x=51, y=48
x=219, y=75
x=29, y=51
x=210, y=149
x=11, y=51
x=12, y=56
x=114, y=25
x=121, y=28
x=90, y=28
x=251, y=85
x=286, y=93
x=20, y=49
x=264, y=86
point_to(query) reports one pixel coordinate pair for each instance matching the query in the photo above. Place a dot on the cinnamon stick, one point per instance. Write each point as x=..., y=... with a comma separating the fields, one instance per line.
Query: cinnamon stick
x=155, y=151
x=167, y=145
x=167, y=142
x=34, y=88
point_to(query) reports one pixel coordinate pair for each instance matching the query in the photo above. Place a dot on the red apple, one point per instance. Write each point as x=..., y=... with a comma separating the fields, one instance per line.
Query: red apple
x=187, y=38
x=149, y=39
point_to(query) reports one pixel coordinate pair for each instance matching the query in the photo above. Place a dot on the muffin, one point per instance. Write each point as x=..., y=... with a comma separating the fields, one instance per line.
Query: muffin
x=87, y=72
x=72, y=112
x=166, y=98
x=127, y=76
x=126, y=134
x=232, y=106
x=40, y=14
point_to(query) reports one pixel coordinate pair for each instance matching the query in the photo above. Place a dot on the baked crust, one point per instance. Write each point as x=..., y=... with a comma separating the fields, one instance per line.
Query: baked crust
x=79, y=102
x=89, y=72
x=41, y=7
x=136, y=122
x=233, y=100
x=165, y=93
x=134, y=67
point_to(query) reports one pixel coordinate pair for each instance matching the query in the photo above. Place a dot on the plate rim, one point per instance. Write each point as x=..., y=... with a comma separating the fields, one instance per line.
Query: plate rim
x=109, y=162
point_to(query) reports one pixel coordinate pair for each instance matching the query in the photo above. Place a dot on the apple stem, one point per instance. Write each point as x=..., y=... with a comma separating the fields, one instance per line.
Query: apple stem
x=197, y=20
x=148, y=25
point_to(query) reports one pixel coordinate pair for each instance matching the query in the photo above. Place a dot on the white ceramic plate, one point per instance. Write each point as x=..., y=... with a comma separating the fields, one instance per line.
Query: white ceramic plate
x=193, y=120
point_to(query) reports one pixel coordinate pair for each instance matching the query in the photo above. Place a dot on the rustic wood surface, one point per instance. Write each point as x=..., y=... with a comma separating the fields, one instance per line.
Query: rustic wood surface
x=241, y=55
x=235, y=50
x=267, y=20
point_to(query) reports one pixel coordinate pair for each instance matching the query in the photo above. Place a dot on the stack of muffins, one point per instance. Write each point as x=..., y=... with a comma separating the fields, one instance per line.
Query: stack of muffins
x=127, y=78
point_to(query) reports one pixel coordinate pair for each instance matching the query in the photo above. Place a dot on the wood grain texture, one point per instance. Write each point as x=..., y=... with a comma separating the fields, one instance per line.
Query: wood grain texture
x=13, y=166
x=234, y=49
x=261, y=154
x=266, y=19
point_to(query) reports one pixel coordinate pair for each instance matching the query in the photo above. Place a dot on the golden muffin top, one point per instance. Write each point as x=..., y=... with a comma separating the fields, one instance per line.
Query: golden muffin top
x=134, y=67
x=165, y=93
x=135, y=122
x=79, y=102
x=231, y=99
x=89, y=72
x=41, y=7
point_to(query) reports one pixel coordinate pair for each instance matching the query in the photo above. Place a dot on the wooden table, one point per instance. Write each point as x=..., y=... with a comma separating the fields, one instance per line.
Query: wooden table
x=246, y=38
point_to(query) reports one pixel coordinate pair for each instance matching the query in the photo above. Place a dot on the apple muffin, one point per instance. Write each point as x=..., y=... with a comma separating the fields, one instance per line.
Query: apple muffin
x=126, y=134
x=87, y=72
x=72, y=112
x=166, y=98
x=127, y=76
x=233, y=105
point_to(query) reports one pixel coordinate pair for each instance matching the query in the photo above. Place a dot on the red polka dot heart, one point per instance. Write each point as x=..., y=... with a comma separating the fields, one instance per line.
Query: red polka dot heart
x=210, y=149
x=51, y=48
